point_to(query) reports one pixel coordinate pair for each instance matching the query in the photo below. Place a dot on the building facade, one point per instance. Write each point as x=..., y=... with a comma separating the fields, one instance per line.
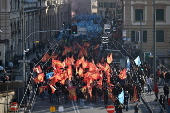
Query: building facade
x=138, y=22
x=110, y=9
x=20, y=18
x=81, y=7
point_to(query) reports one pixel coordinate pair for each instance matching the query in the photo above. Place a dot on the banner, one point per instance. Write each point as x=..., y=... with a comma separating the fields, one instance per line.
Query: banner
x=72, y=93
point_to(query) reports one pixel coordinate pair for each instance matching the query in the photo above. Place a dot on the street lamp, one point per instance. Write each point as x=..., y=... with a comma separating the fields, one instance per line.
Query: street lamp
x=154, y=43
x=0, y=31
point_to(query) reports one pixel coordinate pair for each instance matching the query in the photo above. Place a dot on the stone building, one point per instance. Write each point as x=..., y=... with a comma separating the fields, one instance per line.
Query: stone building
x=138, y=16
x=39, y=15
x=81, y=7
x=110, y=9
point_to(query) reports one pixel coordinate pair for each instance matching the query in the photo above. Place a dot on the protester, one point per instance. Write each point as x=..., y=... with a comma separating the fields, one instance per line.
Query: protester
x=156, y=90
x=136, y=108
x=105, y=92
x=28, y=93
x=149, y=84
x=57, y=93
x=162, y=102
x=66, y=93
x=166, y=91
x=99, y=94
x=81, y=97
x=126, y=100
x=162, y=77
x=94, y=95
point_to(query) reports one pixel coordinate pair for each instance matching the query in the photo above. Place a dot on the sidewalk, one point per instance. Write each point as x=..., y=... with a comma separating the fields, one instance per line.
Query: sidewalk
x=149, y=99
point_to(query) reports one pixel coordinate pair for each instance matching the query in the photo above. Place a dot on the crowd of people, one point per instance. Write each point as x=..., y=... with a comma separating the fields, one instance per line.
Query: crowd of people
x=82, y=71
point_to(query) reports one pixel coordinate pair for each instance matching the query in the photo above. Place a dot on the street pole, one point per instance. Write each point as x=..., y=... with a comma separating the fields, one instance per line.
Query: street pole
x=154, y=44
x=141, y=39
x=23, y=41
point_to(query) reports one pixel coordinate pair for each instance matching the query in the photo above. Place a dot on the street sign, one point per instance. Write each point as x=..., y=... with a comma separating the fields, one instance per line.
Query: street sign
x=27, y=61
x=52, y=109
x=37, y=41
x=110, y=109
x=14, y=106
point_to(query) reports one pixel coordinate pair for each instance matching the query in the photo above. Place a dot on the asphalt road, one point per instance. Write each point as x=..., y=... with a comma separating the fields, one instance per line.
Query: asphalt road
x=43, y=106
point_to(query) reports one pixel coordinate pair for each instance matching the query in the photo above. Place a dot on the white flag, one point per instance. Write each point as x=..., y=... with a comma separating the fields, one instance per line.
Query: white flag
x=137, y=61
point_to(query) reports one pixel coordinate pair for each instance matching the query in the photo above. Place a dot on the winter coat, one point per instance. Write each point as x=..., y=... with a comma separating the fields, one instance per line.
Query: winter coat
x=156, y=90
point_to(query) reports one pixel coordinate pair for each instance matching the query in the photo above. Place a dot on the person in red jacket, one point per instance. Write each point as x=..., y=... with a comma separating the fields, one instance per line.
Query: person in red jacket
x=156, y=90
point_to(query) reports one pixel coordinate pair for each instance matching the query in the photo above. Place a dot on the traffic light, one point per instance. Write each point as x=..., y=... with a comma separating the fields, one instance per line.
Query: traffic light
x=74, y=29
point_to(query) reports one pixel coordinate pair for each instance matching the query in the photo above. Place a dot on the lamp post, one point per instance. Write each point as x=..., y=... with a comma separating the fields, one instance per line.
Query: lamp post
x=154, y=44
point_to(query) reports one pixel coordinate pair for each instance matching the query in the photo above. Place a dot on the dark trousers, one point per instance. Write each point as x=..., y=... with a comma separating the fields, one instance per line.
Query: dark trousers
x=156, y=95
x=105, y=100
x=94, y=97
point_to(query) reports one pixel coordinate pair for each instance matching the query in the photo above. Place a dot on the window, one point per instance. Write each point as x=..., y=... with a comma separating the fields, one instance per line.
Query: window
x=133, y=35
x=144, y=36
x=159, y=14
x=100, y=4
x=105, y=5
x=138, y=13
x=159, y=35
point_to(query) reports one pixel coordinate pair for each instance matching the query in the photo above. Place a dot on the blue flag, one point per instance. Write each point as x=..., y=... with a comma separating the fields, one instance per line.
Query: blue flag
x=137, y=61
x=121, y=97
x=49, y=75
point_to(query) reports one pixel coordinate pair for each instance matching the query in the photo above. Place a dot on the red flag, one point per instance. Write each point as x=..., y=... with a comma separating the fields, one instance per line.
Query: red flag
x=100, y=83
x=79, y=61
x=76, y=45
x=122, y=74
x=37, y=69
x=92, y=67
x=135, y=95
x=39, y=78
x=72, y=93
x=45, y=57
x=109, y=58
x=85, y=64
x=69, y=72
x=57, y=63
x=52, y=88
x=100, y=66
x=42, y=88
x=106, y=67
x=55, y=78
x=80, y=72
x=54, y=56
x=66, y=50
x=97, y=46
x=86, y=44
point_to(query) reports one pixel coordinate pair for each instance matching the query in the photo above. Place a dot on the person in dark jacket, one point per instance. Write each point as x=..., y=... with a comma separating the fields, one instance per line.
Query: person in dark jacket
x=105, y=92
x=136, y=108
x=94, y=91
x=162, y=102
x=58, y=93
x=99, y=94
x=66, y=93
x=78, y=90
x=126, y=100
x=81, y=97
x=28, y=93
x=166, y=91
